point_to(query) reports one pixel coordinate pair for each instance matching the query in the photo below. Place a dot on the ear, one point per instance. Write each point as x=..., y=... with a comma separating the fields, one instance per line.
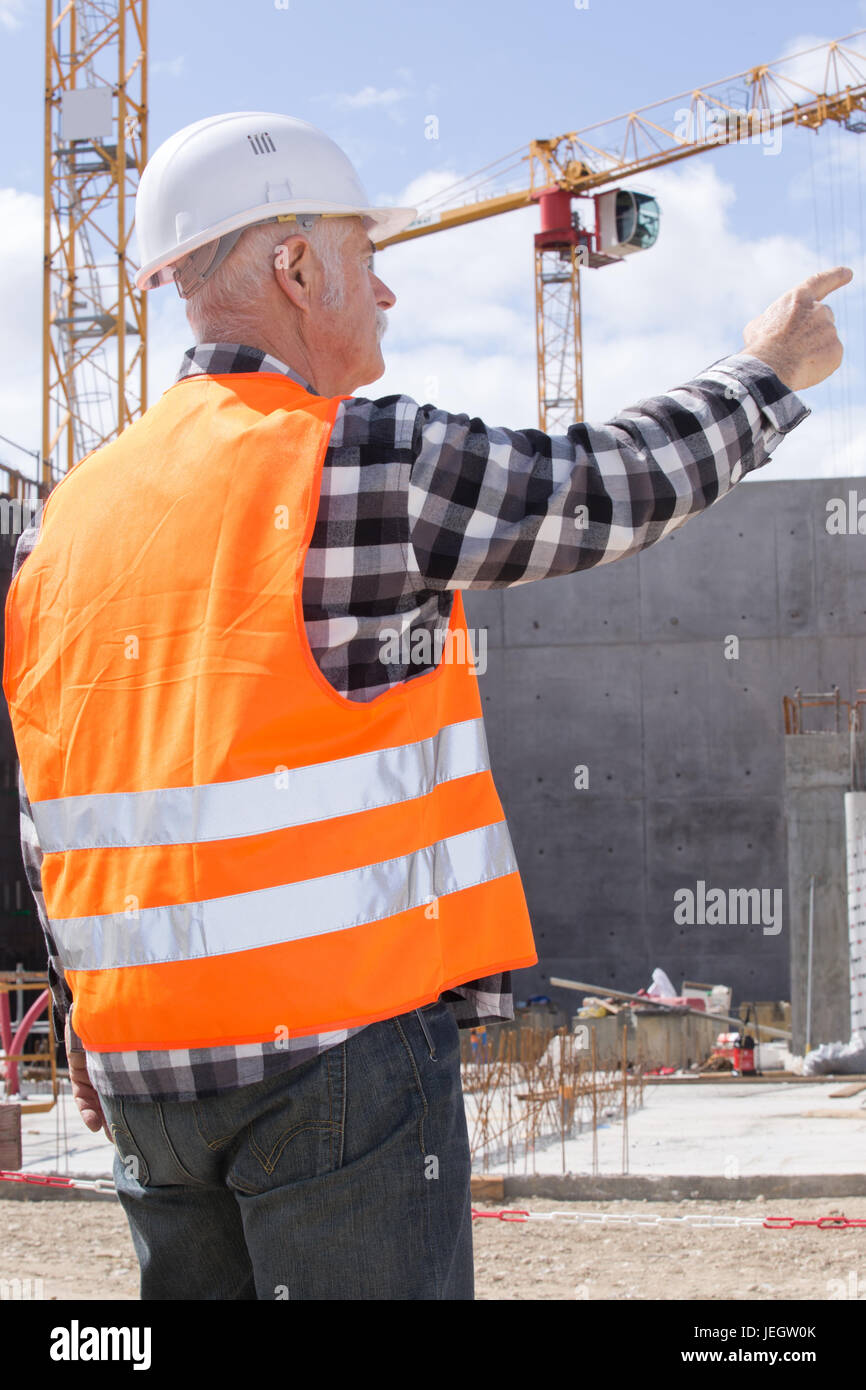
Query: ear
x=293, y=266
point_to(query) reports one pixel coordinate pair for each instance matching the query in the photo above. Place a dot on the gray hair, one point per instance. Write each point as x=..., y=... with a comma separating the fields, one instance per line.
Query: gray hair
x=227, y=307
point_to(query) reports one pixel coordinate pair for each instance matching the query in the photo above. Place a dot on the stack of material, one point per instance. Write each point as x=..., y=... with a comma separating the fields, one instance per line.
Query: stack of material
x=837, y=1059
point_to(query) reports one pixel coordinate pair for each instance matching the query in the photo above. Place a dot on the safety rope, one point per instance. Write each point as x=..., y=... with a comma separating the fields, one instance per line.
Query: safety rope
x=52, y=1180
x=771, y=1223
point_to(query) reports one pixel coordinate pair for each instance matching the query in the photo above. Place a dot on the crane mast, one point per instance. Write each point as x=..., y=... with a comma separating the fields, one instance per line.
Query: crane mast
x=94, y=363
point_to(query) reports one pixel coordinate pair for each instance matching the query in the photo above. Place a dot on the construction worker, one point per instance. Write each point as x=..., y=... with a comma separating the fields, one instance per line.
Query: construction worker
x=273, y=870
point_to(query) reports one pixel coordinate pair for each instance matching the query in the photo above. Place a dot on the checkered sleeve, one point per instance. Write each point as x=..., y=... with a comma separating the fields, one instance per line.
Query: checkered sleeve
x=31, y=853
x=492, y=507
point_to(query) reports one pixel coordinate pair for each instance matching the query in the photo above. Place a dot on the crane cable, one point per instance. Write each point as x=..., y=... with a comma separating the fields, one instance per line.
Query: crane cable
x=819, y=260
x=840, y=247
x=861, y=242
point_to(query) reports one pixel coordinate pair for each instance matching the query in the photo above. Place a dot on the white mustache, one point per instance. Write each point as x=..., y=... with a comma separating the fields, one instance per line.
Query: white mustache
x=381, y=324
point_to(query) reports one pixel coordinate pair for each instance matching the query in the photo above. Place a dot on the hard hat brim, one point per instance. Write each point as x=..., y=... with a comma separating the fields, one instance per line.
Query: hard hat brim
x=383, y=223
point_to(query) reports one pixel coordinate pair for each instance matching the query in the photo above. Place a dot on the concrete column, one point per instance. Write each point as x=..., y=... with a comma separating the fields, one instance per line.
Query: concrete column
x=817, y=775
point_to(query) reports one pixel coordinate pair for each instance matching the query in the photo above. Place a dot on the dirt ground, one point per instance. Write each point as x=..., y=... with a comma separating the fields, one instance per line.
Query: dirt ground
x=572, y=1260
x=82, y=1250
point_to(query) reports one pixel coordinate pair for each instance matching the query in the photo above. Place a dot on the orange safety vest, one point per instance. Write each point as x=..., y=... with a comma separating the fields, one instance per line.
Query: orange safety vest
x=234, y=852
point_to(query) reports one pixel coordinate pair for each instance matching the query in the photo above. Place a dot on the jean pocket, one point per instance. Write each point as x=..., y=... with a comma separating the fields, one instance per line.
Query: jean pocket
x=132, y=1160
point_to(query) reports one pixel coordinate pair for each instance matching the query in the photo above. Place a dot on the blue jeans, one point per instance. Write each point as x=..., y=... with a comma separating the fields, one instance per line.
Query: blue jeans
x=345, y=1178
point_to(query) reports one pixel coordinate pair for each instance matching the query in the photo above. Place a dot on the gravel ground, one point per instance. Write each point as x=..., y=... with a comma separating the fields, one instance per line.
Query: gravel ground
x=569, y=1260
x=82, y=1250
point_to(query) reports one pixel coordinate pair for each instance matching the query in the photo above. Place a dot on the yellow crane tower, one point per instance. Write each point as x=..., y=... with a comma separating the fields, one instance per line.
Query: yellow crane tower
x=748, y=106
x=94, y=336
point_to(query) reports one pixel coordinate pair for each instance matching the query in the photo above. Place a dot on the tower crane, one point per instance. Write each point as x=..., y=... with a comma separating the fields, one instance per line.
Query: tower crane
x=586, y=163
x=95, y=321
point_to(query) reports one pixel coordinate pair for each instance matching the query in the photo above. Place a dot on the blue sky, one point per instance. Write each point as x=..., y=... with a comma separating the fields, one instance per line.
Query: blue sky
x=737, y=227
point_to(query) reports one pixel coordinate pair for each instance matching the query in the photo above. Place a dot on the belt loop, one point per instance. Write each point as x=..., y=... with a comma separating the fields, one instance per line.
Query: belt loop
x=426, y=1034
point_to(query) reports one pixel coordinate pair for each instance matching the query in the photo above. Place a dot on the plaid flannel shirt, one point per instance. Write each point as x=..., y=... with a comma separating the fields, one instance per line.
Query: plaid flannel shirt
x=416, y=503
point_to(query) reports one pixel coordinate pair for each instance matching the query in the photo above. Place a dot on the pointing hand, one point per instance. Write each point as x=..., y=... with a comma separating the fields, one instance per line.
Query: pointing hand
x=796, y=335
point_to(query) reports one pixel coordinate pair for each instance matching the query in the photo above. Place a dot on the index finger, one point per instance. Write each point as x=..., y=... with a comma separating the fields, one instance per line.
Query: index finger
x=823, y=282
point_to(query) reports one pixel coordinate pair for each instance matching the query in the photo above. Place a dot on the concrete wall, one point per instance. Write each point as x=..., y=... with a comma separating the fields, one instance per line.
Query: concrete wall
x=623, y=669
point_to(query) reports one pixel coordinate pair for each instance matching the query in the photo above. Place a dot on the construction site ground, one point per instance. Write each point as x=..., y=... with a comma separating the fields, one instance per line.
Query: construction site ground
x=727, y=1127
x=769, y=1133
x=81, y=1250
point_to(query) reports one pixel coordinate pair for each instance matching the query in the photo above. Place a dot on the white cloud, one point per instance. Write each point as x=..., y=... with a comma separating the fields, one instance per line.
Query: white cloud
x=669, y=312
x=11, y=12
x=171, y=67
x=830, y=444
x=169, y=336
x=21, y=316
x=805, y=66
x=369, y=96
x=807, y=60
x=21, y=339
x=464, y=319
x=462, y=333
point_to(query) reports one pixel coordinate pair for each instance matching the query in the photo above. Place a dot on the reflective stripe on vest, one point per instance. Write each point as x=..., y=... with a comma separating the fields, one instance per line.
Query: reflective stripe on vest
x=257, y=805
x=290, y=912
x=233, y=850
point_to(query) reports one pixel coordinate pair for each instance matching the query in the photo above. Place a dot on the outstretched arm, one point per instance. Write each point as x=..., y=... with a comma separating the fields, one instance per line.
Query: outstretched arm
x=491, y=507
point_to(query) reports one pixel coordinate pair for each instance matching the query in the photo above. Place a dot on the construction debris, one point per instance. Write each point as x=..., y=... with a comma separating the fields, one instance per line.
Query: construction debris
x=837, y=1058
x=716, y=1062
x=680, y=1004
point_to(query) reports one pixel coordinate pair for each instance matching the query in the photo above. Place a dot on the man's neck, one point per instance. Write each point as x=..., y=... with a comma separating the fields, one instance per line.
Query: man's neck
x=290, y=354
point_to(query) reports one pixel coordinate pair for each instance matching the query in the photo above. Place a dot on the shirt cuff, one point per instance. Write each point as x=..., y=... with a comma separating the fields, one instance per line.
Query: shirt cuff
x=780, y=406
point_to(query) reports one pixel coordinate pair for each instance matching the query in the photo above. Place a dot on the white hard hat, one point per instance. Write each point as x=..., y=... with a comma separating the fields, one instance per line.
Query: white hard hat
x=212, y=179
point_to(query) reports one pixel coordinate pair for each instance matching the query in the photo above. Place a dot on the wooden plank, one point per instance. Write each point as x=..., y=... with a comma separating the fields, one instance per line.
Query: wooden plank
x=829, y=1115
x=486, y=1188
x=724, y=1078
x=854, y=1090
x=10, y=1137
